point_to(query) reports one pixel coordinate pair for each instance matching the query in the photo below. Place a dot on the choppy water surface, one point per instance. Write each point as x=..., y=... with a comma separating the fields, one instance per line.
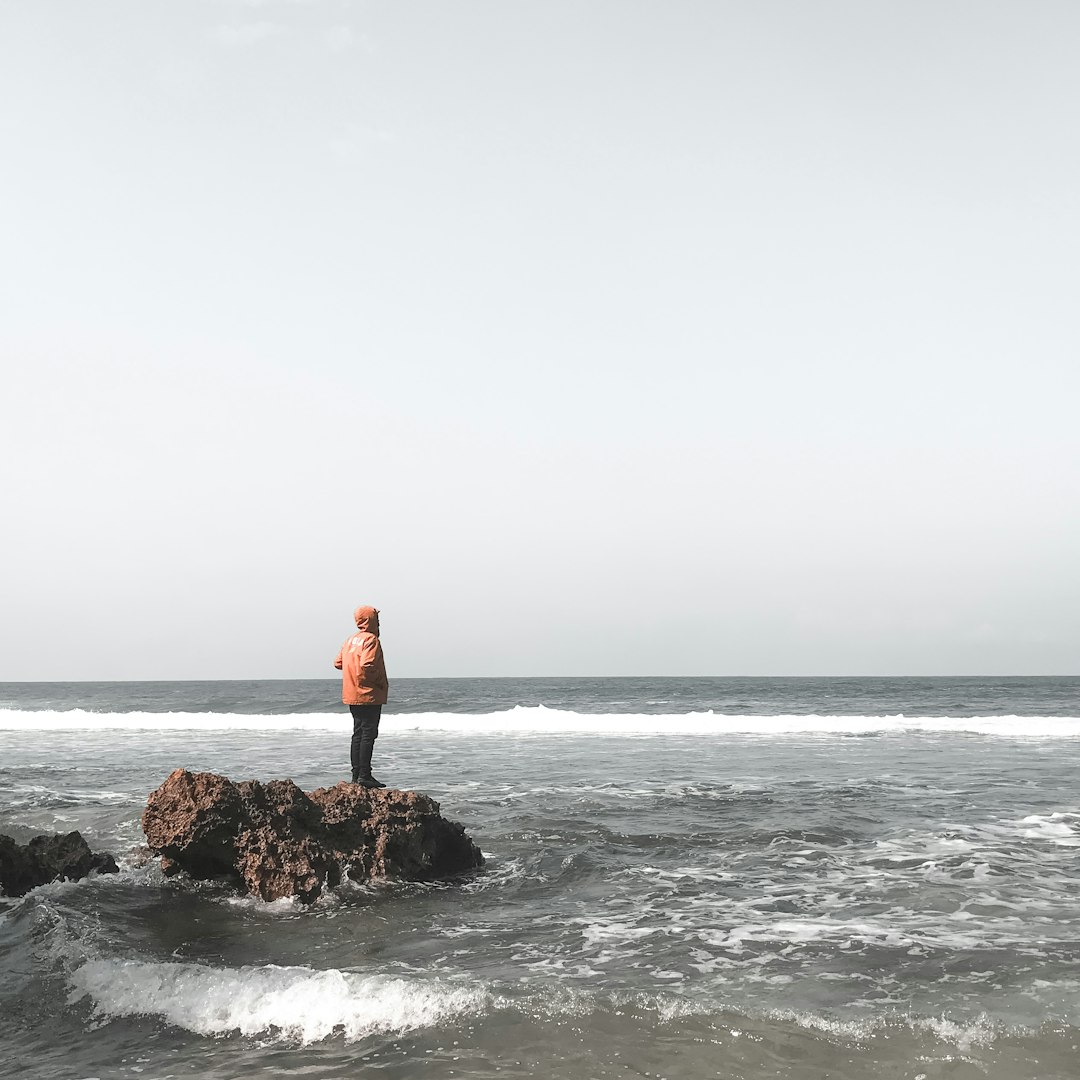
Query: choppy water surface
x=792, y=892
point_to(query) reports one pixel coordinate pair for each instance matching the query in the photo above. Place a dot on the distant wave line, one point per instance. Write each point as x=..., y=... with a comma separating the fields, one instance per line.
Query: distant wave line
x=539, y=720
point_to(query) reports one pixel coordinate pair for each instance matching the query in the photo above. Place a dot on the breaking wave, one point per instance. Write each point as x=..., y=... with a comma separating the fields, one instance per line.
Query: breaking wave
x=539, y=720
x=305, y=1006
x=294, y=1003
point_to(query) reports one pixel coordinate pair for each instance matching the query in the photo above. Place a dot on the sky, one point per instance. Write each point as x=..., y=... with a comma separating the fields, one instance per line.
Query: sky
x=602, y=338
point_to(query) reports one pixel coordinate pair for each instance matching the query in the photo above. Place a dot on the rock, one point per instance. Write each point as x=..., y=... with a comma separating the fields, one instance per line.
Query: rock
x=275, y=840
x=59, y=857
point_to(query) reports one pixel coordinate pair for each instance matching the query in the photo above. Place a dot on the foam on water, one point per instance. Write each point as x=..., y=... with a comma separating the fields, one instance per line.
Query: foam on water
x=1062, y=829
x=539, y=720
x=302, y=1005
x=982, y=1031
x=297, y=1004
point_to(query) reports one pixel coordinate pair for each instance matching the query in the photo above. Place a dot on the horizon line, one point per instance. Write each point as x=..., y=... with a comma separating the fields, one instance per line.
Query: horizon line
x=523, y=678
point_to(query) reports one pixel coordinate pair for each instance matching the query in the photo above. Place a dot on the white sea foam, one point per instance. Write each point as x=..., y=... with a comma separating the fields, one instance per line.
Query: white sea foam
x=303, y=1005
x=964, y=1035
x=539, y=720
x=1062, y=829
x=296, y=1004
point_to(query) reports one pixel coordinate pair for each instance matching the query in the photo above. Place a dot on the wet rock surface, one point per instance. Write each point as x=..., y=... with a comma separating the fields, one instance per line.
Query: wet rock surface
x=272, y=839
x=46, y=858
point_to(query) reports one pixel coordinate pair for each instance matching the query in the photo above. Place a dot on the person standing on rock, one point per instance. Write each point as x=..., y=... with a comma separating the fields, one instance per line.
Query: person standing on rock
x=364, y=689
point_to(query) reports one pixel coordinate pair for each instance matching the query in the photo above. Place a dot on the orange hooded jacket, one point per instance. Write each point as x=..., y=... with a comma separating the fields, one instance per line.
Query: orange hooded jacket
x=363, y=671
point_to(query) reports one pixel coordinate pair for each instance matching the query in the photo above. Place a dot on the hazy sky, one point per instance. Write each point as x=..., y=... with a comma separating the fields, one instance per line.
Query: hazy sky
x=580, y=338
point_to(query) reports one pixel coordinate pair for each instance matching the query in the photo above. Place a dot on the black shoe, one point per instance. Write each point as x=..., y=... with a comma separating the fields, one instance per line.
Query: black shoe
x=368, y=782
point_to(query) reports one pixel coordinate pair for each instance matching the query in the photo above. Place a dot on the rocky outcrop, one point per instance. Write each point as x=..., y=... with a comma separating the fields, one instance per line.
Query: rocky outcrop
x=275, y=840
x=59, y=857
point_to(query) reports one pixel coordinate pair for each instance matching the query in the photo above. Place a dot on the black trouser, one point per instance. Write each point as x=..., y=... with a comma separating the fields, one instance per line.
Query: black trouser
x=365, y=730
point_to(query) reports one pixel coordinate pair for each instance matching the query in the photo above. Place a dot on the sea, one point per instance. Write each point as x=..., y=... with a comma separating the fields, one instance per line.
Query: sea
x=685, y=878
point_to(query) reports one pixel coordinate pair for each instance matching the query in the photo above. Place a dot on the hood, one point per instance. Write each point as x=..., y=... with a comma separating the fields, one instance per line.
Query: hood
x=367, y=619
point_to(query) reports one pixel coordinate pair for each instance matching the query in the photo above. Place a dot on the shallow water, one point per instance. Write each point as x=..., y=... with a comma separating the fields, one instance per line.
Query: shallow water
x=686, y=896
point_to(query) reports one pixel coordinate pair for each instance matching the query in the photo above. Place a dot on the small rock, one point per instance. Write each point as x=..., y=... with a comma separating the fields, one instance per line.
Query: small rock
x=59, y=857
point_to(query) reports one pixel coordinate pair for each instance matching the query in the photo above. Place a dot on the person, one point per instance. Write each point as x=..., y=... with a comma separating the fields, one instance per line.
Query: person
x=364, y=689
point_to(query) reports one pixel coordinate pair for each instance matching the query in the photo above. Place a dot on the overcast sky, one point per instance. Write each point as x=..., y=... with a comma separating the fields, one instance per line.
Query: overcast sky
x=579, y=338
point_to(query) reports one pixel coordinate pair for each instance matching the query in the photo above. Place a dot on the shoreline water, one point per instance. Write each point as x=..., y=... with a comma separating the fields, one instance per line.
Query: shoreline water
x=683, y=903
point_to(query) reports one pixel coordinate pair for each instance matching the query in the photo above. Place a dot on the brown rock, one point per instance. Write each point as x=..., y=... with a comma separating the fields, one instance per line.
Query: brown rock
x=59, y=857
x=275, y=840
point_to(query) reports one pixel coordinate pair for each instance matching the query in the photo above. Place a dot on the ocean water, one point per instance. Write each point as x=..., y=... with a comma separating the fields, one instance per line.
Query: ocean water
x=739, y=878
